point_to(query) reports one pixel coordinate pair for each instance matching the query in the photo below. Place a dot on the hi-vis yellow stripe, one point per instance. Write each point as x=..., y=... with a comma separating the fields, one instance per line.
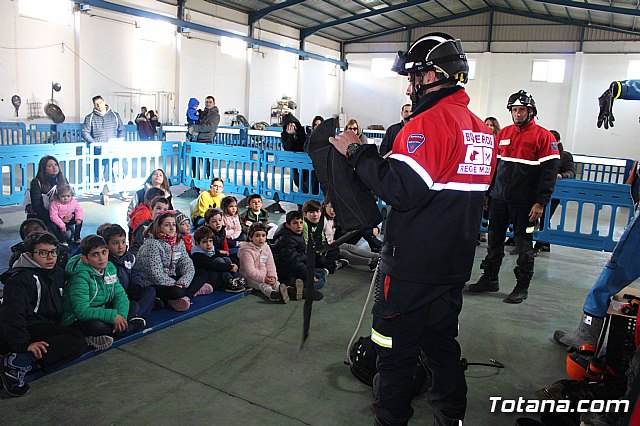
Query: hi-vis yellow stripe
x=530, y=229
x=379, y=339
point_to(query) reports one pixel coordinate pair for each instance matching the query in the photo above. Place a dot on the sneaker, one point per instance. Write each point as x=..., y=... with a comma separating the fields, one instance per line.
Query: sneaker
x=204, y=290
x=136, y=324
x=341, y=263
x=125, y=196
x=244, y=284
x=12, y=377
x=279, y=294
x=158, y=303
x=299, y=289
x=374, y=263
x=235, y=286
x=99, y=343
x=181, y=304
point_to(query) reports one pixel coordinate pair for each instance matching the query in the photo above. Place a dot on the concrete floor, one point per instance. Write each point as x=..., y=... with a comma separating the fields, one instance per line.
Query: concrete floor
x=241, y=364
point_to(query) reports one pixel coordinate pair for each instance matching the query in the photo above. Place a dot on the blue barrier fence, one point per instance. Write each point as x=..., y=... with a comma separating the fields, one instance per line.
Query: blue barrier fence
x=592, y=207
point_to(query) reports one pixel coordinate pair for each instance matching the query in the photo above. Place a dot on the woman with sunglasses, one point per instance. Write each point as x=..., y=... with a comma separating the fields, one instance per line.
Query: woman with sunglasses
x=355, y=127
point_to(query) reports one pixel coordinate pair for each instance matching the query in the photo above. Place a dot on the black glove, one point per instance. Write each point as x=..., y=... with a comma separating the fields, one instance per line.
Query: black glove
x=606, y=107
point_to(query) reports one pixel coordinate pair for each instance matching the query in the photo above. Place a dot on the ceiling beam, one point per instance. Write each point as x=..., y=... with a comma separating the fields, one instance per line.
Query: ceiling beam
x=101, y=4
x=421, y=24
x=256, y=15
x=508, y=11
x=306, y=32
x=592, y=6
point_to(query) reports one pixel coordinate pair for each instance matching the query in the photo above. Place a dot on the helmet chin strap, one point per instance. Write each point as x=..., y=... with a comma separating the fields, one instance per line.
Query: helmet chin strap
x=419, y=90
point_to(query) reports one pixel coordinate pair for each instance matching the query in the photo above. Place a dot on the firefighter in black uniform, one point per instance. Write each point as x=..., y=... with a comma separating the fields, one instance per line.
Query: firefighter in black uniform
x=525, y=178
x=441, y=162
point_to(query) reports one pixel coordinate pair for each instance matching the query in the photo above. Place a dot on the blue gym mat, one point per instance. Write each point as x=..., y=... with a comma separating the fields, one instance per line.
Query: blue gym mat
x=158, y=320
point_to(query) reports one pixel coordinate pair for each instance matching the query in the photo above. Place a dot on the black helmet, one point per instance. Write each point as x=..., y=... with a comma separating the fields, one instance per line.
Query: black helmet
x=434, y=51
x=522, y=98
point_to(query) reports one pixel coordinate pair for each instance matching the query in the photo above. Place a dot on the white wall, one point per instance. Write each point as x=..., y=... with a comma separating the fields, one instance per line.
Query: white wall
x=130, y=66
x=372, y=100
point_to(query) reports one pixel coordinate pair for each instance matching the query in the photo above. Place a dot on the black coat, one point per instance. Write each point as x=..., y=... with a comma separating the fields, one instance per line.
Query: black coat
x=389, y=136
x=31, y=295
x=289, y=254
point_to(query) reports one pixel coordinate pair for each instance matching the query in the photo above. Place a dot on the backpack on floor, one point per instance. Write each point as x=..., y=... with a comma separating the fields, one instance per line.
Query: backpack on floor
x=362, y=361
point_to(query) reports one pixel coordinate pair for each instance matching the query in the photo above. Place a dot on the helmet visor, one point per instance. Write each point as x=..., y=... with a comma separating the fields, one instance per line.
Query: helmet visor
x=400, y=63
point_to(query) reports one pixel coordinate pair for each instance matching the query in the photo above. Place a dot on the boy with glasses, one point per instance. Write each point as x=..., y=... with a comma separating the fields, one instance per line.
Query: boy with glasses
x=30, y=333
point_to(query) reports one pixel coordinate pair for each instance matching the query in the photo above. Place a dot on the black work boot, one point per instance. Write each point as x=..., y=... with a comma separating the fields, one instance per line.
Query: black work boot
x=442, y=419
x=488, y=281
x=521, y=290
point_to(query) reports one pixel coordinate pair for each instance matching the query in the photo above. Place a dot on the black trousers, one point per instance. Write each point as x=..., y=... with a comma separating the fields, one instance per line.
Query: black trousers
x=65, y=343
x=501, y=214
x=100, y=328
x=174, y=292
x=409, y=317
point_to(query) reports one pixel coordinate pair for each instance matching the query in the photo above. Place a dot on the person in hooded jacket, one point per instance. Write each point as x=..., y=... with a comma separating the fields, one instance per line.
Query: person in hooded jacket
x=30, y=333
x=294, y=139
x=102, y=125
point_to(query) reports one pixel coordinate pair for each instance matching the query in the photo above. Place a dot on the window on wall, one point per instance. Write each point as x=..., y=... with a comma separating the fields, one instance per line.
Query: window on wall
x=381, y=68
x=233, y=46
x=56, y=11
x=633, y=72
x=551, y=71
x=472, y=69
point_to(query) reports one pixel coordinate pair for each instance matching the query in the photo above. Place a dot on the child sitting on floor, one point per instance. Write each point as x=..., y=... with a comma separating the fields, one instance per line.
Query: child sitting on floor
x=143, y=211
x=207, y=200
x=232, y=221
x=94, y=302
x=158, y=205
x=165, y=264
x=258, y=267
x=29, y=226
x=290, y=255
x=29, y=315
x=353, y=254
x=212, y=269
x=184, y=230
x=326, y=257
x=66, y=213
x=255, y=213
x=141, y=297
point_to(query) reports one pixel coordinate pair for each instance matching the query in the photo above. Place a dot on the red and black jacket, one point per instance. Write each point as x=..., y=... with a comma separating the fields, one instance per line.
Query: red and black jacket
x=529, y=161
x=442, y=163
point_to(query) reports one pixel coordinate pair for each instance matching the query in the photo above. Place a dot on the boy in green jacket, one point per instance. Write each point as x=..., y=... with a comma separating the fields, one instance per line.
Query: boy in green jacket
x=94, y=301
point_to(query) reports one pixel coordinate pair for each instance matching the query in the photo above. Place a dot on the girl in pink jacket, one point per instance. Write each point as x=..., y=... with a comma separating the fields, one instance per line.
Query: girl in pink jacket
x=65, y=212
x=258, y=267
x=232, y=226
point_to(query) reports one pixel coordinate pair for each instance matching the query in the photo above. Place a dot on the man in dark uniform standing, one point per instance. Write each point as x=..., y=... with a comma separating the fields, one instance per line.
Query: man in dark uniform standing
x=524, y=181
x=434, y=181
x=390, y=135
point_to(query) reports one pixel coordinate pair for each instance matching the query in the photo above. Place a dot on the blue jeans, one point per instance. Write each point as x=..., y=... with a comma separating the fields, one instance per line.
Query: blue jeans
x=622, y=269
x=321, y=275
x=226, y=276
